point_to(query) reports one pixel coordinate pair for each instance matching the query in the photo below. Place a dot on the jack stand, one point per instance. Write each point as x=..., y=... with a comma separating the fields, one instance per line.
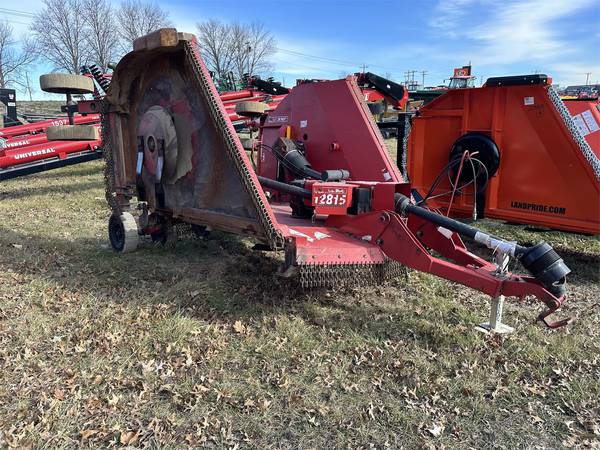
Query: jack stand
x=495, y=324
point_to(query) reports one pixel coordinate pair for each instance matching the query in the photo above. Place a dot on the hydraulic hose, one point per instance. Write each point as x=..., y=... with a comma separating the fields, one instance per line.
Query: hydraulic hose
x=540, y=260
x=296, y=162
x=284, y=187
x=404, y=206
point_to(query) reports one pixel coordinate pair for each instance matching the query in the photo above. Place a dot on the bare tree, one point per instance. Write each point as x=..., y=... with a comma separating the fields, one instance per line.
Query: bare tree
x=214, y=41
x=251, y=45
x=13, y=61
x=102, y=37
x=137, y=18
x=59, y=29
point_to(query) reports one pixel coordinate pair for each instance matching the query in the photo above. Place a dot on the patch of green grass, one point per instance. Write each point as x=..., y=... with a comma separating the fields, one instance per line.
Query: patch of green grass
x=203, y=346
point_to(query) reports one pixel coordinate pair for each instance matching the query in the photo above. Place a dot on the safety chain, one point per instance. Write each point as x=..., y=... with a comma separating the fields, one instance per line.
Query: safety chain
x=109, y=164
x=343, y=275
x=203, y=83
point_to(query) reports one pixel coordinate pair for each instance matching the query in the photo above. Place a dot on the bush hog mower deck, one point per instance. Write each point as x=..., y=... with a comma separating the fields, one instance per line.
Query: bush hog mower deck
x=326, y=193
x=508, y=150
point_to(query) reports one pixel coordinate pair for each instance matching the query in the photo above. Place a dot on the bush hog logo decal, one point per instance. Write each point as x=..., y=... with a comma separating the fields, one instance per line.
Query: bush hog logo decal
x=539, y=208
x=43, y=151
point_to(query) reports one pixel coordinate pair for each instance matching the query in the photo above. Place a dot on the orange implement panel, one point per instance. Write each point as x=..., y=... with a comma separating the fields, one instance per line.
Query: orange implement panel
x=548, y=174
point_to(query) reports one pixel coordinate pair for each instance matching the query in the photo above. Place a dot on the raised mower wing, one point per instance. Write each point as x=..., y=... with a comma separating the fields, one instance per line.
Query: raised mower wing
x=169, y=141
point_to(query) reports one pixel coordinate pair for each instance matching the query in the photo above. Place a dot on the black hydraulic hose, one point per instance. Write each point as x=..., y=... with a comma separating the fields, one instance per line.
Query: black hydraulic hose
x=296, y=160
x=404, y=206
x=540, y=260
x=284, y=187
x=287, y=153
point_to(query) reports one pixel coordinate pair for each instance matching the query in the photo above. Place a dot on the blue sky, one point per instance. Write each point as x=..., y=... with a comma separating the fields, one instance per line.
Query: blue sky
x=329, y=38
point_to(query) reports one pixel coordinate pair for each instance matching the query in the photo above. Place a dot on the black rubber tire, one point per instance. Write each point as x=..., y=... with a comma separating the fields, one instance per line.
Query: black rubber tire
x=123, y=232
x=488, y=154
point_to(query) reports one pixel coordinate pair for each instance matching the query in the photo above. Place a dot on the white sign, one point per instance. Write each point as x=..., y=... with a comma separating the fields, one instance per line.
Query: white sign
x=581, y=124
x=528, y=101
x=590, y=121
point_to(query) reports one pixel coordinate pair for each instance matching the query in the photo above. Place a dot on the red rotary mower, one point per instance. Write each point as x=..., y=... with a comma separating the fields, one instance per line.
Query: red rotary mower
x=324, y=192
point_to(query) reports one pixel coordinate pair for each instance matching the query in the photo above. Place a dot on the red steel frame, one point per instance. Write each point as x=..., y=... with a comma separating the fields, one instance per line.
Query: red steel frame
x=333, y=122
x=40, y=127
x=12, y=157
x=338, y=132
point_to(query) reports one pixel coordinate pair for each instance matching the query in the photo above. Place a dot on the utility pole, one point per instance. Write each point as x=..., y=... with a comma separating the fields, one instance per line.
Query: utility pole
x=423, y=73
x=587, y=77
x=410, y=78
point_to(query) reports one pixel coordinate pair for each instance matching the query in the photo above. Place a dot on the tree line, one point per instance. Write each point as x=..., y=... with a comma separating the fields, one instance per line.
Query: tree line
x=68, y=34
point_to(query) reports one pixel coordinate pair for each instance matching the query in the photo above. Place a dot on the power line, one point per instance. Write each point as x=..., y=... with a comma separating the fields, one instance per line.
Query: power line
x=16, y=12
x=333, y=60
x=320, y=58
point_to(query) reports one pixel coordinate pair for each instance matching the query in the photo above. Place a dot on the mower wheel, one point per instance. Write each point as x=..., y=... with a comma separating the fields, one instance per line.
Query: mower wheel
x=72, y=133
x=123, y=232
x=251, y=109
x=249, y=144
x=66, y=83
x=376, y=108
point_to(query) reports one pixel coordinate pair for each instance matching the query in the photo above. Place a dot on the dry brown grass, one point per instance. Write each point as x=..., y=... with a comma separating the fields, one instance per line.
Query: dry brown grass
x=203, y=346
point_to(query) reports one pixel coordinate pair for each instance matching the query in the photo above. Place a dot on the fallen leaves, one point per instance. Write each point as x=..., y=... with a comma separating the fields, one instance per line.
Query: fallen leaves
x=129, y=437
x=166, y=350
x=239, y=327
x=59, y=394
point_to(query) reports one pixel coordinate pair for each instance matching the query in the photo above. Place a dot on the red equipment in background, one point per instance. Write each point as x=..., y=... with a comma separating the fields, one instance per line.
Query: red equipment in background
x=233, y=98
x=37, y=147
x=19, y=131
x=525, y=160
x=326, y=192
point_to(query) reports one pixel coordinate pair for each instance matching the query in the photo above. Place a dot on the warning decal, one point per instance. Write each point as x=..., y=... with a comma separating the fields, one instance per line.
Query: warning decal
x=581, y=125
x=590, y=121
